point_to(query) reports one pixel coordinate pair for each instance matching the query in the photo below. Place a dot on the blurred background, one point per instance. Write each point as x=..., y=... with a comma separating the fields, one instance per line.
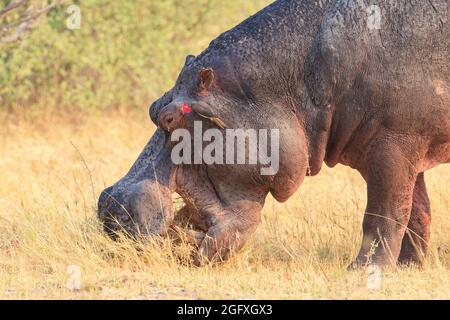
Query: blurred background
x=99, y=54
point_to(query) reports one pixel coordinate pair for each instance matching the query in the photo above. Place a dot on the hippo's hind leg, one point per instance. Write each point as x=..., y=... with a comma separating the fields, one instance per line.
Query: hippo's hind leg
x=417, y=236
x=390, y=177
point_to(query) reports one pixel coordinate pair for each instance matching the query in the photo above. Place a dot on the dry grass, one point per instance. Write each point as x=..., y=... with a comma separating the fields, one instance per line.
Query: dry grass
x=301, y=249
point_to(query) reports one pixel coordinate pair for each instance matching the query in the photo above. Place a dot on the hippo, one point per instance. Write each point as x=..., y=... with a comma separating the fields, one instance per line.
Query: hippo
x=362, y=83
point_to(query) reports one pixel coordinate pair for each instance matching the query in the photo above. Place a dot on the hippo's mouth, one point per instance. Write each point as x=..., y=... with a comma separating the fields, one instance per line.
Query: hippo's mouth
x=140, y=204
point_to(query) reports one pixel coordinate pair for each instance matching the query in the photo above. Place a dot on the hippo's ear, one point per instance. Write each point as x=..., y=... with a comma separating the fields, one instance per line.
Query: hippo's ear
x=205, y=80
x=189, y=59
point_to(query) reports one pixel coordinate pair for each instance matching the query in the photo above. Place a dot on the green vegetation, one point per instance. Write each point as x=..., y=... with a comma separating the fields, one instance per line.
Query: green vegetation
x=125, y=54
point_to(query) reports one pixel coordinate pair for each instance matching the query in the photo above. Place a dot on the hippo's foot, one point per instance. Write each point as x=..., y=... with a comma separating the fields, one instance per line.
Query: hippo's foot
x=190, y=236
x=188, y=226
x=364, y=263
x=414, y=259
x=214, y=246
x=413, y=254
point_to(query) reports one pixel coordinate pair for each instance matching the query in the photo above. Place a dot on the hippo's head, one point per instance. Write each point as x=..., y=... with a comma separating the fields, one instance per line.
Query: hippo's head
x=208, y=94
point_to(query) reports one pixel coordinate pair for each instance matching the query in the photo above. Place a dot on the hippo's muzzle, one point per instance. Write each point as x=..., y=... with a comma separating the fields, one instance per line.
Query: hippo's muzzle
x=140, y=203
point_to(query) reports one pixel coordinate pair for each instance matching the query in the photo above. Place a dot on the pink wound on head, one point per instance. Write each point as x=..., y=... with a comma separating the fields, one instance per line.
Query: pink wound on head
x=185, y=108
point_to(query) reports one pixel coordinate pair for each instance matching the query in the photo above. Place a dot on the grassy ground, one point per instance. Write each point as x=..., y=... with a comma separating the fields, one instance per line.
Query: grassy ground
x=52, y=171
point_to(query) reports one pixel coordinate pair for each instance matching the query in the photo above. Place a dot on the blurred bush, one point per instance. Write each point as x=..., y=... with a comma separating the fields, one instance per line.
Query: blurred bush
x=125, y=54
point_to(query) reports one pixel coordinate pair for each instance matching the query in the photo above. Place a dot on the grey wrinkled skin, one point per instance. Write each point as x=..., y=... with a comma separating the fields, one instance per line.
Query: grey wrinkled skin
x=148, y=181
x=377, y=100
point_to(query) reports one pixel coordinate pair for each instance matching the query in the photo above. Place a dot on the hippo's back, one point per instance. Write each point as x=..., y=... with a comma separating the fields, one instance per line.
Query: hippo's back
x=386, y=67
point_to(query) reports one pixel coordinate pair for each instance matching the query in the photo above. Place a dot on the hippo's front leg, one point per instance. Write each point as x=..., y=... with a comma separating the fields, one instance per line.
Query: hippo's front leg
x=390, y=177
x=227, y=220
x=229, y=231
